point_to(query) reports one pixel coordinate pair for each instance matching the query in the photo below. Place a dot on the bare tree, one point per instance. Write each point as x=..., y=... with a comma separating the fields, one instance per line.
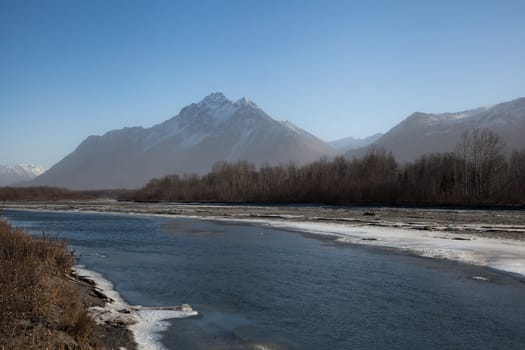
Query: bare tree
x=481, y=152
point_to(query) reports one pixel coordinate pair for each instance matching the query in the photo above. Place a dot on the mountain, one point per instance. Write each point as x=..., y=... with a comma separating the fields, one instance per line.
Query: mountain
x=423, y=133
x=349, y=143
x=16, y=174
x=215, y=129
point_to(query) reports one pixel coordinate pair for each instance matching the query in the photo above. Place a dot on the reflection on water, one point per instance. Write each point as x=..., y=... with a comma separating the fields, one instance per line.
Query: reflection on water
x=263, y=288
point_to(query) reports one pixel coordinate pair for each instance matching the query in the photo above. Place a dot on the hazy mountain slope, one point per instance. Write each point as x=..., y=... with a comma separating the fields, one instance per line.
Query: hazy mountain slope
x=349, y=143
x=203, y=133
x=15, y=174
x=423, y=133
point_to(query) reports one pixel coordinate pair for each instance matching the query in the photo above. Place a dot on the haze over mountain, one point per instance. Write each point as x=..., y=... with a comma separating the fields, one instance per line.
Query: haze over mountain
x=423, y=133
x=349, y=143
x=215, y=129
x=19, y=173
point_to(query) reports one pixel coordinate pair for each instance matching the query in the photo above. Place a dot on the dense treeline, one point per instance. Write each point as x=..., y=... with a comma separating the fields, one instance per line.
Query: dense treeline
x=476, y=173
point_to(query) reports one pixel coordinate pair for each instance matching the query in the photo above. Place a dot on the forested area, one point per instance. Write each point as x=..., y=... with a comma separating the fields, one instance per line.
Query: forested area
x=477, y=173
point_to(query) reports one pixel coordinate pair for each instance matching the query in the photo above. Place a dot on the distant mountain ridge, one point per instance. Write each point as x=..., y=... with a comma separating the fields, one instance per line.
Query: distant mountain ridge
x=350, y=143
x=214, y=129
x=219, y=129
x=423, y=133
x=16, y=174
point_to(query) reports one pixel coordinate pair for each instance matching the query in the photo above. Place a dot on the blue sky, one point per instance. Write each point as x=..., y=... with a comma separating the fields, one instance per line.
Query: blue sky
x=69, y=69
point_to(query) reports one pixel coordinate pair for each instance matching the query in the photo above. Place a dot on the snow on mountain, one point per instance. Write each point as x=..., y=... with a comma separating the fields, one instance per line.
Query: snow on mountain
x=14, y=174
x=295, y=128
x=423, y=133
x=214, y=129
x=197, y=121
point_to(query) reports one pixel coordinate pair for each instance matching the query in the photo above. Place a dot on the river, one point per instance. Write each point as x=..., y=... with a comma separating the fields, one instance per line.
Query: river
x=258, y=287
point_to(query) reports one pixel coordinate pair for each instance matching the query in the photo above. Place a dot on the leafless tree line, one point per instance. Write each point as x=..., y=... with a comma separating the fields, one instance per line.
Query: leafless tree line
x=476, y=173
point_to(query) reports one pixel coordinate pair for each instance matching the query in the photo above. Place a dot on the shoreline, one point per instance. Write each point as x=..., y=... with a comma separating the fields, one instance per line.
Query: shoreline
x=136, y=326
x=45, y=302
x=114, y=335
x=117, y=324
x=507, y=256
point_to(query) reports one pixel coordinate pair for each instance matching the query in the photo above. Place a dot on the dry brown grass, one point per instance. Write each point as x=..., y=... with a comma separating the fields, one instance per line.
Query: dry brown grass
x=39, y=308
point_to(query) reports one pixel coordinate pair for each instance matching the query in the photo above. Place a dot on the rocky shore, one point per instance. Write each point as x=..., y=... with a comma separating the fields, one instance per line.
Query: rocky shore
x=111, y=334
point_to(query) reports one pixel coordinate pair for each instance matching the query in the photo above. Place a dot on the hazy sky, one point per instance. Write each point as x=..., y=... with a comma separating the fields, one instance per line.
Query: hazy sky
x=72, y=68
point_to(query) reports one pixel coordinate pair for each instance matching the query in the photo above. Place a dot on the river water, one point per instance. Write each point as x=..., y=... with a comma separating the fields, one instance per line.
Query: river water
x=258, y=287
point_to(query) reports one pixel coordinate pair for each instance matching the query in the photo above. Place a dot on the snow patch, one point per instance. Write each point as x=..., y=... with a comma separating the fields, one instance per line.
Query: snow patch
x=289, y=125
x=14, y=174
x=147, y=331
x=245, y=102
x=22, y=170
x=145, y=323
x=479, y=278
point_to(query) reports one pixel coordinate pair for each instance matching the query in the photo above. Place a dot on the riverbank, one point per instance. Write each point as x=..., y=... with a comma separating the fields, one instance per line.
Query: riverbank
x=113, y=334
x=497, y=224
x=47, y=303
x=140, y=324
x=44, y=304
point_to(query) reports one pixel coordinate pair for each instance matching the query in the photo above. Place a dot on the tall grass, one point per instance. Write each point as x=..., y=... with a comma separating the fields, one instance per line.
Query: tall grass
x=39, y=307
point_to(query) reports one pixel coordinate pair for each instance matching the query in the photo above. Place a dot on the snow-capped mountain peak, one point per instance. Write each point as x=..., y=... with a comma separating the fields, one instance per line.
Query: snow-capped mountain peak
x=218, y=100
x=214, y=100
x=210, y=112
x=13, y=174
x=245, y=102
x=23, y=169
